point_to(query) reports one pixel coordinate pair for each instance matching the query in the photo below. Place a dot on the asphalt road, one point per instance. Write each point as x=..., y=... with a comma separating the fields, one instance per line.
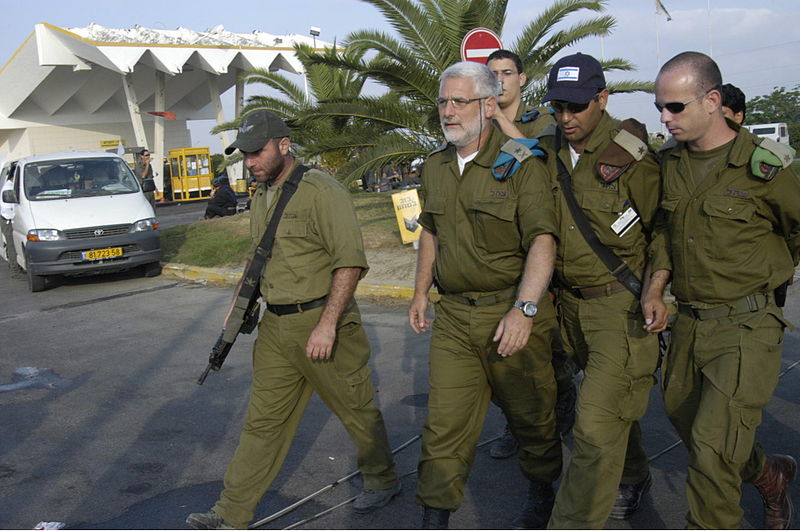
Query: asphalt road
x=104, y=426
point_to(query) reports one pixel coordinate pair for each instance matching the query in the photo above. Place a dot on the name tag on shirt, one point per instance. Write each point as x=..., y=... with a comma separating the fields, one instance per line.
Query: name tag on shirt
x=624, y=222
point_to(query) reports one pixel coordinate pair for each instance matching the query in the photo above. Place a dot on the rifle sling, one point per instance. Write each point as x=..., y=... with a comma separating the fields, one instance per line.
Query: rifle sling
x=251, y=278
x=614, y=263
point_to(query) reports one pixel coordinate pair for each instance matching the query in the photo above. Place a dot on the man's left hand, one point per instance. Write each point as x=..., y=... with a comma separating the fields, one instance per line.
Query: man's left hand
x=320, y=342
x=512, y=332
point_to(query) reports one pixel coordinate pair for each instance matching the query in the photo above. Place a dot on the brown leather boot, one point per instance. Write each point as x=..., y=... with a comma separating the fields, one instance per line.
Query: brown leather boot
x=773, y=485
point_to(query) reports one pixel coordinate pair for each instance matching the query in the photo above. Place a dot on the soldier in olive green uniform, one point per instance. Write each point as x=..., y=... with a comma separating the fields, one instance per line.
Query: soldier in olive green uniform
x=615, y=181
x=310, y=339
x=732, y=215
x=488, y=243
x=517, y=122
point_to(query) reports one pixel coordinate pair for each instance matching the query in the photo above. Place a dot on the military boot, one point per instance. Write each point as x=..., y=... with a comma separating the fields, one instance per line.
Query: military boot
x=629, y=497
x=773, y=485
x=538, y=507
x=434, y=518
x=209, y=520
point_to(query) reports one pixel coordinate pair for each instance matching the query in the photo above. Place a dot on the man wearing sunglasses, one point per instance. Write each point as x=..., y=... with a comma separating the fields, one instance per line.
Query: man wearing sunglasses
x=488, y=243
x=515, y=121
x=732, y=233
x=607, y=181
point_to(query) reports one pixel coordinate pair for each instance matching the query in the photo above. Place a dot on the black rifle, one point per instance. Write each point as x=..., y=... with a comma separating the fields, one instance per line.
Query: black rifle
x=221, y=348
x=242, y=316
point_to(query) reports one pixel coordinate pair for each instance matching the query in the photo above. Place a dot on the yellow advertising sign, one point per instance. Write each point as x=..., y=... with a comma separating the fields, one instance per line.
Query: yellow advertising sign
x=109, y=143
x=407, y=209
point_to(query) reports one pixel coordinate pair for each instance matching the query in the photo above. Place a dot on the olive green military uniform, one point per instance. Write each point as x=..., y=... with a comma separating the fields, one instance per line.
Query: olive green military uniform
x=604, y=329
x=733, y=237
x=484, y=228
x=317, y=234
x=532, y=123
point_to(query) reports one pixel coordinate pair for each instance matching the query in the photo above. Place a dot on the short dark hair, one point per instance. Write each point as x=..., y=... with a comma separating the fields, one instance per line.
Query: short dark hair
x=708, y=74
x=733, y=98
x=506, y=54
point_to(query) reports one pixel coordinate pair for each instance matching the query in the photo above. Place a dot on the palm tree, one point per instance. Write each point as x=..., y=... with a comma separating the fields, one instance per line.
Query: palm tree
x=326, y=85
x=429, y=34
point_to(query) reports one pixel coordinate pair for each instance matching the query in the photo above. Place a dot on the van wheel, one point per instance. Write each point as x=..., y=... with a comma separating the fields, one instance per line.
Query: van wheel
x=153, y=269
x=36, y=282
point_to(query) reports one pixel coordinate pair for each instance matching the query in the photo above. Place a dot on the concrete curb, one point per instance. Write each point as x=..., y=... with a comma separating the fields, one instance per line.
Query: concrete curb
x=214, y=275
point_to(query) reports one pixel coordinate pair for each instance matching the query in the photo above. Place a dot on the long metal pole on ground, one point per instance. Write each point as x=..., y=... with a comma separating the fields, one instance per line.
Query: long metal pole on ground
x=326, y=488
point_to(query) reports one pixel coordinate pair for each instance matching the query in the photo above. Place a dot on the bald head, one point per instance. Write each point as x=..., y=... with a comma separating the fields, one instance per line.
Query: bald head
x=705, y=70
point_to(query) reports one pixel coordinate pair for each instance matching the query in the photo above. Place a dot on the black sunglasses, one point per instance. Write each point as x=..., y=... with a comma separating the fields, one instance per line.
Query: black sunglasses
x=573, y=108
x=676, y=107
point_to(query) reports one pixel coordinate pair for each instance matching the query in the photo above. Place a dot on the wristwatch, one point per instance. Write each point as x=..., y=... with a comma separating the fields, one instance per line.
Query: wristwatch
x=528, y=308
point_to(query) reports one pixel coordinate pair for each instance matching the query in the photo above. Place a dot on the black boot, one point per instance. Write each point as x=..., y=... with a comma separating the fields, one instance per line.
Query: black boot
x=538, y=507
x=629, y=497
x=434, y=518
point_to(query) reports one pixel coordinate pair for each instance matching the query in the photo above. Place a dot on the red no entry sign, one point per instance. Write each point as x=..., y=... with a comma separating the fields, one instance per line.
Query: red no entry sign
x=478, y=44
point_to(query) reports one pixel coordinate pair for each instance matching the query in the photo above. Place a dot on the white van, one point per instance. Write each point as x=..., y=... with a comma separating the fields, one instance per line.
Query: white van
x=777, y=132
x=80, y=213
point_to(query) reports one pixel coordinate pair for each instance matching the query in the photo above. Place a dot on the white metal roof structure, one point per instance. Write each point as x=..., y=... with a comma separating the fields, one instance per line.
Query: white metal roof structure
x=98, y=75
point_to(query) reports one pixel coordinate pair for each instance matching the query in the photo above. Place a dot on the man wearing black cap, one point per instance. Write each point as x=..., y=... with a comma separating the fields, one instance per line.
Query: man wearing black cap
x=310, y=338
x=608, y=182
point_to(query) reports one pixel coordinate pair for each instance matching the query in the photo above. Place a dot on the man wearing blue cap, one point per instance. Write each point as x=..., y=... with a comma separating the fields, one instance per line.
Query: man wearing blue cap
x=607, y=181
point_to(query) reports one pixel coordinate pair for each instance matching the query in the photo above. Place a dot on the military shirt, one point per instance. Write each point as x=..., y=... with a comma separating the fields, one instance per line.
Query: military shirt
x=732, y=234
x=484, y=226
x=534, y=128
x=577, y=265
x=317, y=234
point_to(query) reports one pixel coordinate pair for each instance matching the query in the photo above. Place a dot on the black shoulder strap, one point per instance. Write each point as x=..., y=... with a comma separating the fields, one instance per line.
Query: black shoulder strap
x=251, y=278
x=614, y=263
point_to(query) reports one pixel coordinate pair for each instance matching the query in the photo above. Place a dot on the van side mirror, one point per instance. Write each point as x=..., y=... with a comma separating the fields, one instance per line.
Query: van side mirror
x=148, y=185
x=9, y=196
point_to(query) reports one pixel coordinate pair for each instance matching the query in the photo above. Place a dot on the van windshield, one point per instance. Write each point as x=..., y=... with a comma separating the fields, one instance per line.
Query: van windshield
x=59, y=179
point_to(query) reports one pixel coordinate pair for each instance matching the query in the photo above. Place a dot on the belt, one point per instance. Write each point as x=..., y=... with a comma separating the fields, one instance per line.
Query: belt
x=476, y=299
x=288, y=309
x=602, y=290
x=751, y=303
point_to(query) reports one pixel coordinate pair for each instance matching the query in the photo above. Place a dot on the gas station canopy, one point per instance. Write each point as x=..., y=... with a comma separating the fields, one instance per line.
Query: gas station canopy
x=94, y=74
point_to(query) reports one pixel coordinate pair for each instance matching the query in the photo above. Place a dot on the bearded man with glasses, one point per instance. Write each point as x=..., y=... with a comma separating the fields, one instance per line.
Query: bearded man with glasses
x=606, y=181
x=731, y=232
x=487, y=243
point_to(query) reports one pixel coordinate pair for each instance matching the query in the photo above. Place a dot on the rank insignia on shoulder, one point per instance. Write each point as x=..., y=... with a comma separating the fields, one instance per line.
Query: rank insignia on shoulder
x=769, y=158
x=511, y=156
x=625, y=148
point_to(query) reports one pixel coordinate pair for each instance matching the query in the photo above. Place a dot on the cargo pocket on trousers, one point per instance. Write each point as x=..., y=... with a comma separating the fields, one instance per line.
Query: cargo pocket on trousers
x=741, y=433
x=634, y=404
x=351, y=359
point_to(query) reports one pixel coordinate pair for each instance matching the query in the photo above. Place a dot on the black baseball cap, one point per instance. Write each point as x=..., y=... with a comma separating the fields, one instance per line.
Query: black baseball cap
x=256, y=129
x=575, y=78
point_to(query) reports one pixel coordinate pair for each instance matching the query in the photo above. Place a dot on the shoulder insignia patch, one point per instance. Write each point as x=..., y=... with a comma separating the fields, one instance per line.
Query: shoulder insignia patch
x=512, y=154
x=627, y=146
x=783, y=153
x=529, y=116
x=765, y=164
x=609, y=173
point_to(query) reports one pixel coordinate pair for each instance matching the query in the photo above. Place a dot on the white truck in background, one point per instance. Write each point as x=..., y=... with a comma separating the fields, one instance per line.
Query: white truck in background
x=777, y=132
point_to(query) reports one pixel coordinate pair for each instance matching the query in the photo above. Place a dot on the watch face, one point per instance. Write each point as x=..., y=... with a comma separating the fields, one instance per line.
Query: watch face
x=529, y=309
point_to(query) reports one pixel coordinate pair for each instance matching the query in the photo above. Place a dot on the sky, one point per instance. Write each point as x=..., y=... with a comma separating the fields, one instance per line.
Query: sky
x=756, y=44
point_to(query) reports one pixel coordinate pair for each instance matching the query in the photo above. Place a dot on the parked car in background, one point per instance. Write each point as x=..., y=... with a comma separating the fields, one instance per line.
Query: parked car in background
x=778, y=132
x=81, y=213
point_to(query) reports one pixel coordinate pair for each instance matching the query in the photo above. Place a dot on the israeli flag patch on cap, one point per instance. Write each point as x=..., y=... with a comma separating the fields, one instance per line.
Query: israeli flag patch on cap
x=568, y=73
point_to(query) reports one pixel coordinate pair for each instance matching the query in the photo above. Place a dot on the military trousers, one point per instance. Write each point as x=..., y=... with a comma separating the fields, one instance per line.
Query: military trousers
x=283, y=381
x=618, y=358
x=464, y=371
x=717, y=377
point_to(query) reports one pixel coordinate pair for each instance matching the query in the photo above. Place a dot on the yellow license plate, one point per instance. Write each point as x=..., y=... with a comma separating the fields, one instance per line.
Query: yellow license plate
x=100, y=254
